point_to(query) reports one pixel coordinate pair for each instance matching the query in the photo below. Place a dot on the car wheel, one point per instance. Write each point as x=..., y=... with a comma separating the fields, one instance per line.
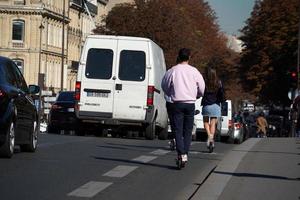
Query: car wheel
x=150, y=131
x=31, y=147
x=7, y=149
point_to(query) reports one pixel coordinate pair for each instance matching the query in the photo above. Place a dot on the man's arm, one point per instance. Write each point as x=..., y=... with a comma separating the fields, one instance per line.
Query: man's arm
x=200, y=85
x=166, y=83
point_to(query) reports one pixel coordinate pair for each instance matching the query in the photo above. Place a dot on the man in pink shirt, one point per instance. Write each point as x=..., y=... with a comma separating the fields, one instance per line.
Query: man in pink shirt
x=184, y=84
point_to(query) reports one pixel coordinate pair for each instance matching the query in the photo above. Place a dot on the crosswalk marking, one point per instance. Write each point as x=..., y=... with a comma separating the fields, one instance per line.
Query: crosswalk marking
x=120, y=171
x=144, y=159
x=160, y=152
x=89, y=189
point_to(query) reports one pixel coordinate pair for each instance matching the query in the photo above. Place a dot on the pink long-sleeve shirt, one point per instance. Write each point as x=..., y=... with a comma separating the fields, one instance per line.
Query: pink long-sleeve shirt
x=183, y=83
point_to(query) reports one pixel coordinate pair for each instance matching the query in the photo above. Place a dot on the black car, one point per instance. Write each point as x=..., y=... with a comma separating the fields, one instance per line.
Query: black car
x=62, y=115
x=19, y=119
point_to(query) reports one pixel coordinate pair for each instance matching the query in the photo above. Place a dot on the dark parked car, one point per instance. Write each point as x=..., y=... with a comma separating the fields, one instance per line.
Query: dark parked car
x=62, y=115
x=19, y=119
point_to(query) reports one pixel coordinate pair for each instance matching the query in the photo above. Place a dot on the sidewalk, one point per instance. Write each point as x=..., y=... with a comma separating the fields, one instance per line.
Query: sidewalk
x=258, y=169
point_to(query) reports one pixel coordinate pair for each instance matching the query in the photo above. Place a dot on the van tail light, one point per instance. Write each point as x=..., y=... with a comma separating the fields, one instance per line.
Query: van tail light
x=150, y=95
x=77, y=90
x=230, y=123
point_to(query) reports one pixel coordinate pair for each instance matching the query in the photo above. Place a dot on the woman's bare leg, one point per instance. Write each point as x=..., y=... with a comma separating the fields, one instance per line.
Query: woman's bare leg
x=212, y=127
x=207, y=127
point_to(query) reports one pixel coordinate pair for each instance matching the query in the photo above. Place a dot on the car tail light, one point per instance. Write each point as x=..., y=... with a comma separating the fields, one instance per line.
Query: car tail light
x=55, y=107
x=237, y=125
x=77, y=90
x=150, y=95
x=229, y=123
x=2, y=93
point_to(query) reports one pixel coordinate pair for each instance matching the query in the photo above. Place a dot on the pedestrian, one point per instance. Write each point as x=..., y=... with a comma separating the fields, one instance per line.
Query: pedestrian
x=184, y=84
x=211, y=105
x=262, y=125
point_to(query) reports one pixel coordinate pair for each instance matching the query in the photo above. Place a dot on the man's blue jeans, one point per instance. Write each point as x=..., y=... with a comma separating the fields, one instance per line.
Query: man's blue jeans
x=183, y=116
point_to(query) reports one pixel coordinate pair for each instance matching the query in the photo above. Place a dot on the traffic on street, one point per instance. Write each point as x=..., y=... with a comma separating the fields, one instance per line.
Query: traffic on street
x=149, y=100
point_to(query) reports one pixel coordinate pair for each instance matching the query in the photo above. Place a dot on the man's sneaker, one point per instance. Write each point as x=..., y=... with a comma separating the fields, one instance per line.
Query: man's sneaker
x=184, y=158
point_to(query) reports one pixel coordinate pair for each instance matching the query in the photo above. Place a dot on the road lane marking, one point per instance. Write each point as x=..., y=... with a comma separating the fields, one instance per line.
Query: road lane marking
x=120, y=171
x=160, y=152
x=202, y=152
x=89, y=189
x=144, y=159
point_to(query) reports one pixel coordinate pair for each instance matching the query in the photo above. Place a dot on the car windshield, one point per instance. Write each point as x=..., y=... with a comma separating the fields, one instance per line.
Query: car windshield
x=2, y=74
x=66, y=96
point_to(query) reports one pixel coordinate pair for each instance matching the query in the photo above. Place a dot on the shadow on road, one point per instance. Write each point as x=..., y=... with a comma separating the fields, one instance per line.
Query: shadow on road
x=257, y=176
x=136, y=162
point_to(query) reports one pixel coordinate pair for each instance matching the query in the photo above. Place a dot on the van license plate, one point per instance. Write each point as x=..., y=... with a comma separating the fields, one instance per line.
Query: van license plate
x=97, y=94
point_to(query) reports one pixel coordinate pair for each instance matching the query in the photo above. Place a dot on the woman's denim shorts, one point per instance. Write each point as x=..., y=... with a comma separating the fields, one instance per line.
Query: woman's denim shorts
x=213, y=110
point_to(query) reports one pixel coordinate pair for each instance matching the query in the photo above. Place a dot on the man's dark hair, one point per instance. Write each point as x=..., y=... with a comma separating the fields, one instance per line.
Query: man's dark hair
x=183, y=55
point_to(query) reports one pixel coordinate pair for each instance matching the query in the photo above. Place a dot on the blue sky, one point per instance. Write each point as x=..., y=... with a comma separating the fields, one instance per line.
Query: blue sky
x=232, y=14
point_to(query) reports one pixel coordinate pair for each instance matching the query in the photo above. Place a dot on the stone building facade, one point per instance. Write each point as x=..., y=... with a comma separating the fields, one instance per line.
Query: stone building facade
x=32, y=36
x=45, y=37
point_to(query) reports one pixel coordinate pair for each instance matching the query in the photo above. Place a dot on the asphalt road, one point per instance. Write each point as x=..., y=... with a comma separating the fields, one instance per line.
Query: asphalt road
x=72, y=167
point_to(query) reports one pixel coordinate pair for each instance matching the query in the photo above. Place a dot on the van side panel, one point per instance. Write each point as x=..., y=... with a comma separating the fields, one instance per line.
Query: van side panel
x=158, y=69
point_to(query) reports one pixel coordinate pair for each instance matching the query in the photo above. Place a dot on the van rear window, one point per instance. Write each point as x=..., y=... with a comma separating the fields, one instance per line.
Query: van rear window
x=224, y=109
x=132, y=65
x=99, y=64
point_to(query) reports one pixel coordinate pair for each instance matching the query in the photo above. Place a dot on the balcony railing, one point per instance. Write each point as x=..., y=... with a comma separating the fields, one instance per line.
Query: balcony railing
x=17, y=44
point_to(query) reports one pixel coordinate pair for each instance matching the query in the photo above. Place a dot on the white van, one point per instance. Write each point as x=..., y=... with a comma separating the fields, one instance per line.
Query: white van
x=118, y=84
x=226, y=110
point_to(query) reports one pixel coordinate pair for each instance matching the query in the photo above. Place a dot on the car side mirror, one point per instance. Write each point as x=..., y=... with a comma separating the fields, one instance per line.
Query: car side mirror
x=34, y=89
x=197, y=112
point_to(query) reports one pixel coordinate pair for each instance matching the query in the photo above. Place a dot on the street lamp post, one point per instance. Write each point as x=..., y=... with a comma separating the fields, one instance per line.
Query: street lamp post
x=40, y=76
x=298, y=60
x=63, y=48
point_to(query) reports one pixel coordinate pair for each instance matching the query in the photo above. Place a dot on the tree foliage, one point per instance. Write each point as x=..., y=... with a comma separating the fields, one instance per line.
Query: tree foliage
x=174, y=24
x=270, y=41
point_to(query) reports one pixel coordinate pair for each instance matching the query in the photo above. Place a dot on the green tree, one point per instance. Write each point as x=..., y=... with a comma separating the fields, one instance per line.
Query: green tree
x=270, y=41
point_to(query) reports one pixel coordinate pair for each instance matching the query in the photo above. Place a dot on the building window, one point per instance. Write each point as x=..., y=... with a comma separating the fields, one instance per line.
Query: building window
x=18, y=30
x=20, y=64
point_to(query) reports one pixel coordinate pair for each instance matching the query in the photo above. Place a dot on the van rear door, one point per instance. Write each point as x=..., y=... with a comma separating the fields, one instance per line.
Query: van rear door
x=226, y=117
x=97, y=86
x=131, y=86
